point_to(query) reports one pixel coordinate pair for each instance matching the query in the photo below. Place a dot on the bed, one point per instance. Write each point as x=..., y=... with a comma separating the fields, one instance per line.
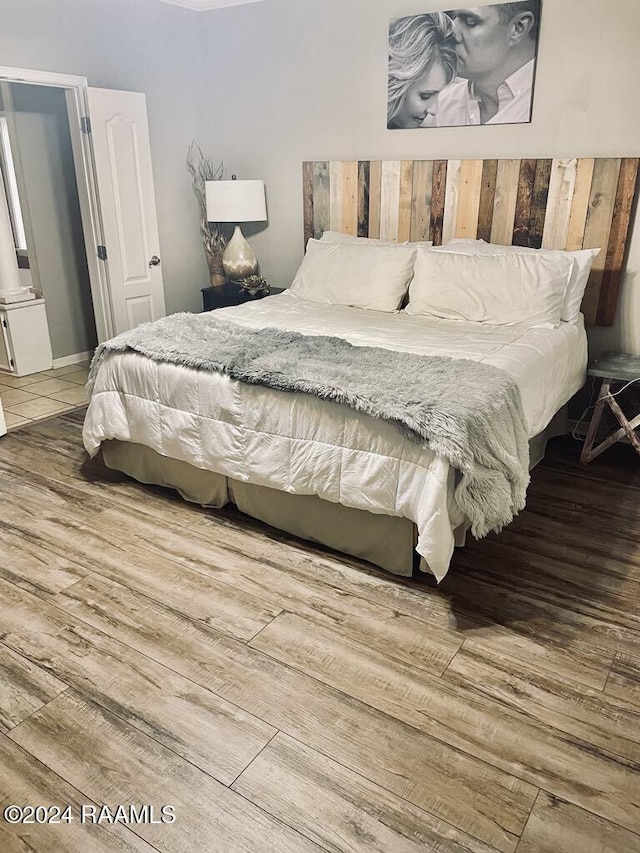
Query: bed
x=325, y=471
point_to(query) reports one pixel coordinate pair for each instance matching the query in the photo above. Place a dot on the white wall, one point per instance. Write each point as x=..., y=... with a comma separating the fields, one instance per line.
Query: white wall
x=144, y=46
x=294, y=81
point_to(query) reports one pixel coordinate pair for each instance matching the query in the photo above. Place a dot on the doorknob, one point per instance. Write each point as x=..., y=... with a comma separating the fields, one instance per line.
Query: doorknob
x=154, y=262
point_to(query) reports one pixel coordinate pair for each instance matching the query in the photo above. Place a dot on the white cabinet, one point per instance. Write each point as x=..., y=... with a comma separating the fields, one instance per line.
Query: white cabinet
x=24, y=338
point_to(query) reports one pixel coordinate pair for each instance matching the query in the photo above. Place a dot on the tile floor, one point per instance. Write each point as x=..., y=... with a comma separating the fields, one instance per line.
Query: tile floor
x=40, y=395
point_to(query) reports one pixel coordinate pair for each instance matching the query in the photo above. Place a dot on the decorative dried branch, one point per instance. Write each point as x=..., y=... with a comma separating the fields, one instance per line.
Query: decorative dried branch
x=201, y=169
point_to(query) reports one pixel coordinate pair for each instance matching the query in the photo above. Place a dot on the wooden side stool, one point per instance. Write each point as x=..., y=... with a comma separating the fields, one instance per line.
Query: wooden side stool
x=614, y=369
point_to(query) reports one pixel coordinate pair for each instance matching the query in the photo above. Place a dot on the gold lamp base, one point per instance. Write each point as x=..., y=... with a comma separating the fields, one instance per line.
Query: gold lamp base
x=238, y=259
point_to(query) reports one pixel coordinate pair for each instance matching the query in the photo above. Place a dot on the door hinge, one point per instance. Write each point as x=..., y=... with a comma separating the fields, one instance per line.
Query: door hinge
x=4, y=323
x=12, y=362
x=85, y=124
x=102, y=253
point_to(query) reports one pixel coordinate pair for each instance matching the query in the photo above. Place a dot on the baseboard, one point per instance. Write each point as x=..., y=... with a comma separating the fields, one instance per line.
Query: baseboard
x=76, y=358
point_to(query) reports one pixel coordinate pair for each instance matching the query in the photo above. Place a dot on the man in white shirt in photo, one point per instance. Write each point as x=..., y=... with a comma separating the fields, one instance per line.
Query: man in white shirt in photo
x=496, y=48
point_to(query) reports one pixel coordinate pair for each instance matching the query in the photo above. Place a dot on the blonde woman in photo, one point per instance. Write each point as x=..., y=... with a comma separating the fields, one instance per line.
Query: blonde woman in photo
x=422, y=61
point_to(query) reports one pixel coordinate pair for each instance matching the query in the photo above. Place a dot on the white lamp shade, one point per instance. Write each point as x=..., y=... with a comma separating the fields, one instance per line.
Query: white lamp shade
x=235, y=201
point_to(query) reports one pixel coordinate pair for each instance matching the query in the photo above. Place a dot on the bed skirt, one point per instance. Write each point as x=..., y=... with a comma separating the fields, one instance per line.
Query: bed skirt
x=386, y=541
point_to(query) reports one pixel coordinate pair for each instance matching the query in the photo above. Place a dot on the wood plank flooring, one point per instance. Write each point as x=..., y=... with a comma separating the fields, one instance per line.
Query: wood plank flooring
x=281, y=697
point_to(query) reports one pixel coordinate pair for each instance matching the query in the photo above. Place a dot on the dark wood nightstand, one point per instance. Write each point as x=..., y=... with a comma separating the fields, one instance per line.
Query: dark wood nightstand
x=614, y=370
x=230, y=294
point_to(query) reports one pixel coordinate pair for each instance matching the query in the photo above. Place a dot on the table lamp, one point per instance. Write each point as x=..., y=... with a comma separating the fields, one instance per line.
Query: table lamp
x=237, y=201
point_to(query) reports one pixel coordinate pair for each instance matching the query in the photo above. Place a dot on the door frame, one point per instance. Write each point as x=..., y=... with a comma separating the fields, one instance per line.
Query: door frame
x=75, y=89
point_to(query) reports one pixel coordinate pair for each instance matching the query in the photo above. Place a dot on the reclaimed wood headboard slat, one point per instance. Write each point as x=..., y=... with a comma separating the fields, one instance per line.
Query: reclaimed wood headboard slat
x=565, y=203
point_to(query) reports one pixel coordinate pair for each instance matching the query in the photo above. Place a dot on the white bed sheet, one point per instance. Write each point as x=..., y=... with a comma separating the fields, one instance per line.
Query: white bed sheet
x=304, y=445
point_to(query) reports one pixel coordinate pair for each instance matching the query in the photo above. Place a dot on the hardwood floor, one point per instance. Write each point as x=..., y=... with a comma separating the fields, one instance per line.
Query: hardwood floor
x=281, y=697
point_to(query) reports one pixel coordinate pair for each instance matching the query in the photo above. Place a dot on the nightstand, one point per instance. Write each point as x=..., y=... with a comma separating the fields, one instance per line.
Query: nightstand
x=615, y=370
x=230, y=294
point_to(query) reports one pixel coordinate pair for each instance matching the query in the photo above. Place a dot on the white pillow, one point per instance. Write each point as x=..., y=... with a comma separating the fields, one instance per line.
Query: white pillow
x=340, y=237
x=582, y=261
x=506, y=289
x=344, y=274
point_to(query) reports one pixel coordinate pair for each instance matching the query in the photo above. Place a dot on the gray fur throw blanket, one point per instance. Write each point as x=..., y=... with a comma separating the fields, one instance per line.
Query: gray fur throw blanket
x=468, y=412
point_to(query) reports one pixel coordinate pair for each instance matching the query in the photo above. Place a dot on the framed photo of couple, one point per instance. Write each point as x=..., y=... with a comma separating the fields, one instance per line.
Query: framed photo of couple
x=468, y=66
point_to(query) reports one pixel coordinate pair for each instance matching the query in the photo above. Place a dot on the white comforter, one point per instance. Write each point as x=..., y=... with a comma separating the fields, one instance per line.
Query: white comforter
x=304, y=445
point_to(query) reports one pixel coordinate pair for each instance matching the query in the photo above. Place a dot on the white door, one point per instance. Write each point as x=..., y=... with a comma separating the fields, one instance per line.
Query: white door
x=122, y=154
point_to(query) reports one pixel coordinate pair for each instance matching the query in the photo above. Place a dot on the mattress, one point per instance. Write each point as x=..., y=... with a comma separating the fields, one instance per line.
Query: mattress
x=303, y=445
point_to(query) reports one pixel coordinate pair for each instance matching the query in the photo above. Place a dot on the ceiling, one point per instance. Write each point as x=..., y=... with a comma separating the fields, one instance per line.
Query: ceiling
x=205, y=5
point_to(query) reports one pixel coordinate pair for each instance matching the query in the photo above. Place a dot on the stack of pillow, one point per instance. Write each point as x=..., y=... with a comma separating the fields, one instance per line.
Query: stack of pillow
x=466, y=280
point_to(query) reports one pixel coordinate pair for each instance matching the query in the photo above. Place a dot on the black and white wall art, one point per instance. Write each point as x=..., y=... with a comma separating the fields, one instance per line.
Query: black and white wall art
x=468, y=66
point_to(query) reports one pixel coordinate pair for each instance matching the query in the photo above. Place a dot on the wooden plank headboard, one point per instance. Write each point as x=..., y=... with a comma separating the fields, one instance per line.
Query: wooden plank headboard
x=552, y=204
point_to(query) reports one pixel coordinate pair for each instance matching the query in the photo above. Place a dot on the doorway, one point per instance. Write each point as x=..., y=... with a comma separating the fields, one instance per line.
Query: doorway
x=47, y=219
x=74, y=90
x=58, y=205
x=111, y=156
x=114, y=176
